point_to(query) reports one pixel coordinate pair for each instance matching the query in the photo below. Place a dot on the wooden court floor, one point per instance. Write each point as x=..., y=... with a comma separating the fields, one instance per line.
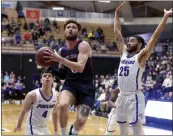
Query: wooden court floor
x=10, y=112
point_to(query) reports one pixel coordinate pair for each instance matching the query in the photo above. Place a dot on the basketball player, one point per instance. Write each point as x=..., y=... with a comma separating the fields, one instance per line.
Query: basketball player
x=130, y=105
x=78, y=86
x=40, y=103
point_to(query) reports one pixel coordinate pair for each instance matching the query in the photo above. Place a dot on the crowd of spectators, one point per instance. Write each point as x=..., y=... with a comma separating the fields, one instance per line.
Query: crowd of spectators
x=12, y=87
x=44, y=33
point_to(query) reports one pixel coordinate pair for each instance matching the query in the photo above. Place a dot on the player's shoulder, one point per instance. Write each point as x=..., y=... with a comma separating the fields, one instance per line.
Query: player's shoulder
x=33, y=92
x=84, y=45
x=84, y=42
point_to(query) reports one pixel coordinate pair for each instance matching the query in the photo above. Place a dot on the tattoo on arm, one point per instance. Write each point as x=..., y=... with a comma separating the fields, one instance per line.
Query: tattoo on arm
x=84, y=110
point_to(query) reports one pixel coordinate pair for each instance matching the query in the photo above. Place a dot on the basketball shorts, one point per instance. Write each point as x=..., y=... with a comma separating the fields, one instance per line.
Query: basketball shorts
x=82, y=90
x=33, y=130
x=130, y=108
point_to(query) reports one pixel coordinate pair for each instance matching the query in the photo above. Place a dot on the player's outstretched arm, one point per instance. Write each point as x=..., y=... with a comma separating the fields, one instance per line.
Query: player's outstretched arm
x=145, y=54
x=117, y=29
x=26, y=106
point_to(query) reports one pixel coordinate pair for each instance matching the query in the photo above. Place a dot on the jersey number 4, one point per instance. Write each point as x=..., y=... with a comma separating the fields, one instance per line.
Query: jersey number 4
x=44, y=114
x=124, y=71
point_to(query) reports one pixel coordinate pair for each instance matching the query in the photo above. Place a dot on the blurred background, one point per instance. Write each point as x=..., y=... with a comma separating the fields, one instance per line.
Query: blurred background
x=29, y=25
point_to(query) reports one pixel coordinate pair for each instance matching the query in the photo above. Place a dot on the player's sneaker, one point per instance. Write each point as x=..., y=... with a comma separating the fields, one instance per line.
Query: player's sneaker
x=70, y=132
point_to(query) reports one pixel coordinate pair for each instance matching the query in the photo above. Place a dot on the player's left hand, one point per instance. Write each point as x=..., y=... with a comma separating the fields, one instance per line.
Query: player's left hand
x=51, y=56
x=167, y=12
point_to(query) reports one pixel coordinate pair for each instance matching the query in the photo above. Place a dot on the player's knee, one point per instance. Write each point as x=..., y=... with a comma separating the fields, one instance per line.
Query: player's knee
x=137, y=129
x=63, y=106
x=84, y=110
x=124, y=128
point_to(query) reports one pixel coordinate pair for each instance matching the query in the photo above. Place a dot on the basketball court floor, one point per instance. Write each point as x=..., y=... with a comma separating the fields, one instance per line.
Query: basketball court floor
x=95, y=125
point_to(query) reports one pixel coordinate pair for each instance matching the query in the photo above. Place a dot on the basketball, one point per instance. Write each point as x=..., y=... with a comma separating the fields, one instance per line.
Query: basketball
x=40, y=60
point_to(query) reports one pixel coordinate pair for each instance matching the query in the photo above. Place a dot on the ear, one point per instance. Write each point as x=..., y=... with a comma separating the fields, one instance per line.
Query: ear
x=41, y=80
x=140, y=45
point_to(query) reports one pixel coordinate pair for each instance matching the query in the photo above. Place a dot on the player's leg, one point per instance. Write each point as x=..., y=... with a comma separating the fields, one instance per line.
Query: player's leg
x=121, y=115
x=137, y=118
x=112, y=123
x=137, y=129
x=66, y=98
x=85, y=99
x=81, y=118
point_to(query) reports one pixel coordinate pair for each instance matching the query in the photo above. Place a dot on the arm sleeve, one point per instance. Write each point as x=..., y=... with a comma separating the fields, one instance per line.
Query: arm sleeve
x=58, y=72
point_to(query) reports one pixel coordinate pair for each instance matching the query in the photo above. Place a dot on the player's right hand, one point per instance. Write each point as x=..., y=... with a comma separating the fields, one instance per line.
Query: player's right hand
x=120, y=7
x=17, y=129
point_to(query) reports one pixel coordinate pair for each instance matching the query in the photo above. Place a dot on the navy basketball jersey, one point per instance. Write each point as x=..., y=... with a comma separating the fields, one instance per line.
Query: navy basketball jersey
x=72, y=55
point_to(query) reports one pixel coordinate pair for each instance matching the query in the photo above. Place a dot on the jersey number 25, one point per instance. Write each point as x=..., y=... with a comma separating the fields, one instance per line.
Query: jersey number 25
x=124, y=71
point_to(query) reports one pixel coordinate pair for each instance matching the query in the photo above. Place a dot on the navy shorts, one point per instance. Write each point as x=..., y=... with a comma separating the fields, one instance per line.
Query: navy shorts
x=82, y=90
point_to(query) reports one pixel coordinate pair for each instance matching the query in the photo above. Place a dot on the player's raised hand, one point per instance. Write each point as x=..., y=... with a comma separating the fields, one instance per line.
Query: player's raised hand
x=119, y=8
x=167, y=12
x=17, y=128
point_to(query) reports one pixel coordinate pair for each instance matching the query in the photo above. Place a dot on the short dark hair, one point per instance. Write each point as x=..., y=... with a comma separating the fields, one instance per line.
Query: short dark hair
x=46, y=70
x=140, y=39
x=74, y=22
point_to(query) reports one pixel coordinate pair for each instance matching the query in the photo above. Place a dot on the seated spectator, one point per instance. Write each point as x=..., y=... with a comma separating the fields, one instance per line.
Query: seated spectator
x=37, y=24
x=96, y=35
x=34, y=36
x=167, y=84
x=6, y=77
x=99, y=30
x=25, y=26
x=56, y=25
x=19, y=23
x=4, y=14
x=36, y=85
x=91, y=35
x=18, y=37
x=3, y=40
x=27, y=37
x=40, y=41
x=104, y=105
x=51, y=37
x=4, y=24
x=11, y=31
x=47, y=25
x=31, y=25
x=21, y=15
x=96, y=107
x=84, y=32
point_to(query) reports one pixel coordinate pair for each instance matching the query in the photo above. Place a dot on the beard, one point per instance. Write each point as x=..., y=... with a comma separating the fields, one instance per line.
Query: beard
x=132, y=49
x=71, y=38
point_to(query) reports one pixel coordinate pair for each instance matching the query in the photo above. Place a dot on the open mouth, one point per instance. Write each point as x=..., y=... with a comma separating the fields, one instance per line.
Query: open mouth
x=70, y=33
x=47, y=81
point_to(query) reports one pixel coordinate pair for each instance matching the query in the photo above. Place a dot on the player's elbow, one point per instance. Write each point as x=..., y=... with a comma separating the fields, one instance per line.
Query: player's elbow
x=81, y=69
